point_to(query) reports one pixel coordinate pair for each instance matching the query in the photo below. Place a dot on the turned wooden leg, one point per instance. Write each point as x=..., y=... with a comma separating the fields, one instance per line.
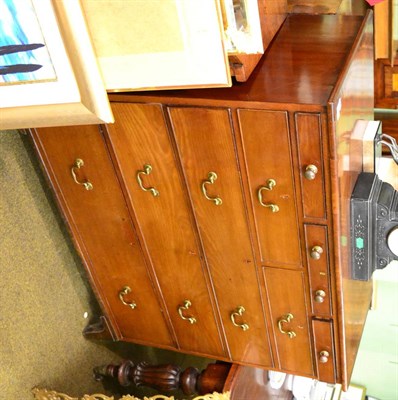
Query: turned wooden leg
x=167, y=377
x=213, y=378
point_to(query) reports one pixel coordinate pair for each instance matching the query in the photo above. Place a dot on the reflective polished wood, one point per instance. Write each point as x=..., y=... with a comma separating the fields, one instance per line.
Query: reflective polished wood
x=272, y=284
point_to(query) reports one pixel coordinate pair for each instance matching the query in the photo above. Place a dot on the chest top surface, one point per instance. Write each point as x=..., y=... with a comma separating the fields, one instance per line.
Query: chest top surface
x=301, y=66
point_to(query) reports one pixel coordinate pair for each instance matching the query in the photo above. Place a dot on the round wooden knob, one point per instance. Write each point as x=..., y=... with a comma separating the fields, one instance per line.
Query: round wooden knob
x=320, y=296
x=316, y=252
x=324, y=356
x=310, y=172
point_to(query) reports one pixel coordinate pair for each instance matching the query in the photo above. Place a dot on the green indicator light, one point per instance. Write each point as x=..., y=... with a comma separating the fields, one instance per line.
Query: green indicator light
x=359, y=243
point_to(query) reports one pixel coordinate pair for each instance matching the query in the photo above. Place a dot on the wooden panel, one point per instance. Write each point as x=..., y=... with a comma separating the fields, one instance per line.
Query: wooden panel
x=309, y=139
x=386, y=29
x=285, y=290
x=265, y=137
x=386, y=84
x=318, y=269
x=102, y=228
x=205, y=143
x=351, y=100
x=324, y=350
x=272, y=14
x=140, y=137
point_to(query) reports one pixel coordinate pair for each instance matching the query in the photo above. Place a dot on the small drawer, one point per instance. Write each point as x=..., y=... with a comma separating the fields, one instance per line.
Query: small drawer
x=318, y=269
x=269, y=167
x=290, y=322
x=324, y=350
x=309, y=138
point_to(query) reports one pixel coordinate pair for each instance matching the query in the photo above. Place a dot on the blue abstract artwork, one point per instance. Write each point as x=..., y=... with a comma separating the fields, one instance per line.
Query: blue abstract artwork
x=23, y=54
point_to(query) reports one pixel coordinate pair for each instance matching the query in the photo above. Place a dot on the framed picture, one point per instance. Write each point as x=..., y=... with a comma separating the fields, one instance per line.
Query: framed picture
x=152, y=44
x=49, y=74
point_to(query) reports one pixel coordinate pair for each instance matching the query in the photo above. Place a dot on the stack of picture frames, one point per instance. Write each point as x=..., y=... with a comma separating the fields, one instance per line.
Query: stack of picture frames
x=60, y=58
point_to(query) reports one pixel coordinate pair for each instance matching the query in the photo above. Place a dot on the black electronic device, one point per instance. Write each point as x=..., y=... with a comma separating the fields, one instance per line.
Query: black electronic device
x=374, y=225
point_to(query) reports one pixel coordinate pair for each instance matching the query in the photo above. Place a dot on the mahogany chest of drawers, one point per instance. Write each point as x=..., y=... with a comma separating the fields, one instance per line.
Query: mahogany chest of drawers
x=215, y=221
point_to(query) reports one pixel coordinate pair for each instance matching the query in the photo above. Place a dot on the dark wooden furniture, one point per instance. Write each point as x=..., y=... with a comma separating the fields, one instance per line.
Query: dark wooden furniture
x=386, y=67
x=216, y=377
x=242, y=382
x=386, y=84
x=215, y=222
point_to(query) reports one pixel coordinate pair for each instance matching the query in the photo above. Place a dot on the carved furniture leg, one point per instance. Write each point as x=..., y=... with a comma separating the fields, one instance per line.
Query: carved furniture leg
x=167, y=377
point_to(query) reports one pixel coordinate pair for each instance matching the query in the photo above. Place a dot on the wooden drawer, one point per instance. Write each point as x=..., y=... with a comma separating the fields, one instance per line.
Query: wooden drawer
x=140, y=137
x=309, y=138
x=269, y=164
x=102, y=229
x=206, y=145
x=324, y=350
x=318, y=269
x=286, y=300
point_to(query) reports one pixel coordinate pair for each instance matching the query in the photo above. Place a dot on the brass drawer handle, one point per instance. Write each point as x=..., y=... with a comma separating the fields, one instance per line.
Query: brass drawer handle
x=285, y=320
x=77, y=165
x=310, y=172
x=316, y=252
x=126, y=290
x=238, y=312
x=146, y=171
x=268, y=186
x=324, y=356
x=211, y=178
x=320, y=296
x=181, y=309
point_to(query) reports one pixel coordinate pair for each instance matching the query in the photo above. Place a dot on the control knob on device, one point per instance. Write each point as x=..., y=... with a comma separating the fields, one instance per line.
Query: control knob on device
x=392, y=240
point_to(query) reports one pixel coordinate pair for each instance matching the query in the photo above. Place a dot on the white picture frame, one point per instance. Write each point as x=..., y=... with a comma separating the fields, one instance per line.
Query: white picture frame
x=158, y=44
x=76, y=95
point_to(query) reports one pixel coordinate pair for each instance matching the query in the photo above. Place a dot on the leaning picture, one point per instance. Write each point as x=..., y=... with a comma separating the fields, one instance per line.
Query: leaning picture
x=24, y=57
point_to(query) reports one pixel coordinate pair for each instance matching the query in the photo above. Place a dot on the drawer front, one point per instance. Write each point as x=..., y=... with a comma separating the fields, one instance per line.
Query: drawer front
x=324, y=350
x=207, y=150
x=140, y=138
x=268, y=159
x=309, y=139
x=285, y=289
x=103, y=231
x=318, y=267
